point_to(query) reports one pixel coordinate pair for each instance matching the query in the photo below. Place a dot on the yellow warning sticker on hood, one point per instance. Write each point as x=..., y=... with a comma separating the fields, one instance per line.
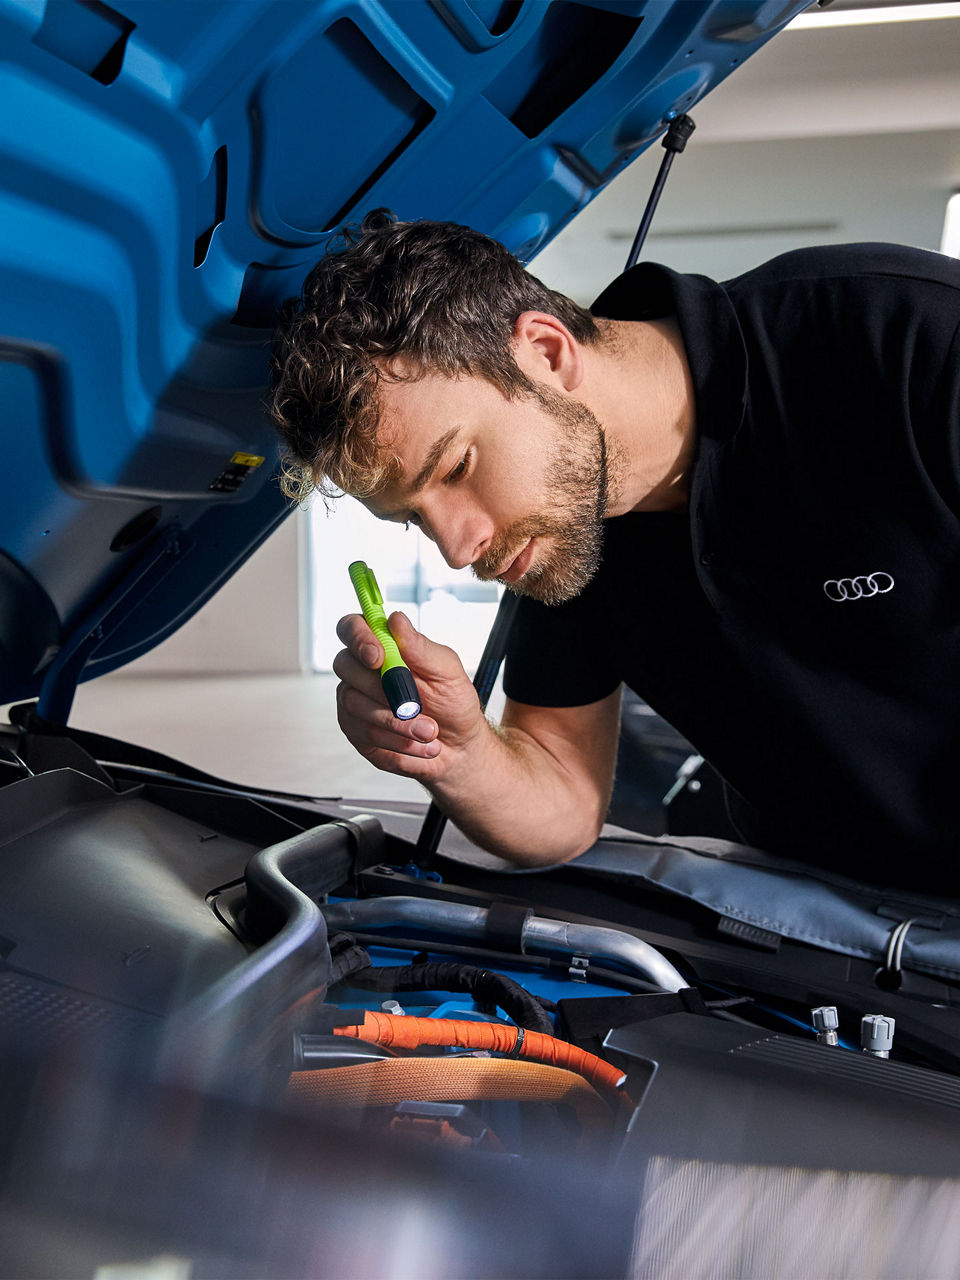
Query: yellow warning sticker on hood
x=235, y=472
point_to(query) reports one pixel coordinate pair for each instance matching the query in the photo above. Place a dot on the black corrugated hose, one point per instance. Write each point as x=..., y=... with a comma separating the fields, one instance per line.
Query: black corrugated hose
x=494, y=989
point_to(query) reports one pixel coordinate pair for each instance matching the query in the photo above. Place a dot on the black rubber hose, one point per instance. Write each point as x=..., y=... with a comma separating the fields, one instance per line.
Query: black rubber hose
x=347, y=957
x=543, y=964
x=486, y=987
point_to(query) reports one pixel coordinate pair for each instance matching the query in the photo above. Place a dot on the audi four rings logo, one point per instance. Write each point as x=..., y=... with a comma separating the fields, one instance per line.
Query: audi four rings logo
x=869, y=584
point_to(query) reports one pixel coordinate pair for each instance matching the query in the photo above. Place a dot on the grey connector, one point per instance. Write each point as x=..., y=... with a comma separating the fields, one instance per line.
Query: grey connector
x=876, y=1035
x=392, y=1006
x=826, y=1023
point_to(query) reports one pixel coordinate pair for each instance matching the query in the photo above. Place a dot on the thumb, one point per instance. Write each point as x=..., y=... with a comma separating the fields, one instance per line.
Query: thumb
x=421, y=653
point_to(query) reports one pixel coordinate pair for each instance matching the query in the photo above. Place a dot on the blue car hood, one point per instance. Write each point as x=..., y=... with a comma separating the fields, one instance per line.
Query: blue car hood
x=169, y=172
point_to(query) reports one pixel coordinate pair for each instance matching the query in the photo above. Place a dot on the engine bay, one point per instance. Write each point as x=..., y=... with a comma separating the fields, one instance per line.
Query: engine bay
x=284, y=966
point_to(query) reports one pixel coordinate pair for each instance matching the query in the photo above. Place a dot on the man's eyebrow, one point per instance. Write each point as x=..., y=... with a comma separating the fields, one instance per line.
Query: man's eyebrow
x=432, y=461
x=436, y=452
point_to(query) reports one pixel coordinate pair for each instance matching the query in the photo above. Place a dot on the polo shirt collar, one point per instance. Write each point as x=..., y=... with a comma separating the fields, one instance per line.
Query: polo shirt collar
x=712, y=337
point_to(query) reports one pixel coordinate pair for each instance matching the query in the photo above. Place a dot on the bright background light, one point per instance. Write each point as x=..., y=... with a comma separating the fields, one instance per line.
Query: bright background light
x=950, y=241
x=865, y=17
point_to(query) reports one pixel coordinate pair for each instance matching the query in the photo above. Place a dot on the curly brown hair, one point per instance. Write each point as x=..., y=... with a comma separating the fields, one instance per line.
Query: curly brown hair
x=444, y=297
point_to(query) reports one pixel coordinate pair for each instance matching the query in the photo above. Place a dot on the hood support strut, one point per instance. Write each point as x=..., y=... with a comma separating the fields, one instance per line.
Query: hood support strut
x=60, y=682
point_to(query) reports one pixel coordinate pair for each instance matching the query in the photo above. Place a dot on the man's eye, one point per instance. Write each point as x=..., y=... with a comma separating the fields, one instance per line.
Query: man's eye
x=461, y=468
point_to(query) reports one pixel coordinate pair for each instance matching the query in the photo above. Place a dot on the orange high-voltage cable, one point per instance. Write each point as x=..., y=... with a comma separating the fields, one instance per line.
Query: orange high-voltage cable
x=393, y=1080
x=404, y=1032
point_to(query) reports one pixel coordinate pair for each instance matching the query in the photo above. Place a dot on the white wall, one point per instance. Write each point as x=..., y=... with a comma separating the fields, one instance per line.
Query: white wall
x=254, y=624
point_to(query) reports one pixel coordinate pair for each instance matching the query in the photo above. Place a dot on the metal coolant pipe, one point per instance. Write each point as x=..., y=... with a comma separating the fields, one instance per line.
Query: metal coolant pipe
x=598, y=943
x=538, y=933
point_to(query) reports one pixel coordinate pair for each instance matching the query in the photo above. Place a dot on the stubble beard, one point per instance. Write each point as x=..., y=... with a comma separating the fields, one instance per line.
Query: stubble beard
x=570, y=523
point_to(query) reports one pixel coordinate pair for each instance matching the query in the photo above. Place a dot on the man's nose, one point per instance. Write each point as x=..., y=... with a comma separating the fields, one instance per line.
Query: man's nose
x=463, y=539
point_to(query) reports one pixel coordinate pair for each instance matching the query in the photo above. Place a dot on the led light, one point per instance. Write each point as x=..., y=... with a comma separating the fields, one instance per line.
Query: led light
x=867, y=17
x=950, y=240
x=407, y=710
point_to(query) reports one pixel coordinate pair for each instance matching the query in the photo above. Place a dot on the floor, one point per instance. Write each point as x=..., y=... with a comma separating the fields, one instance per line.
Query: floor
x=275, y=731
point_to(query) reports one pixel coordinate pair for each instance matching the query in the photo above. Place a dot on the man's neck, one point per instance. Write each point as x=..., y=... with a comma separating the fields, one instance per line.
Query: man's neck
x=637, y=382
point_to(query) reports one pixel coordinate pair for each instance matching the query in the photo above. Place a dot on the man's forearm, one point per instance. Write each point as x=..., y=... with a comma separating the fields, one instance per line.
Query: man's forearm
x=512, y=797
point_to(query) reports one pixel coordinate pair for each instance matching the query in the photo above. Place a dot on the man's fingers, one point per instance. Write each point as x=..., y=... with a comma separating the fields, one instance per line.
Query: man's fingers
x=424, y=656
x=385, y=740
x=354, y=631
x=361, y=694
x=352, y=672
x=367, y=721
x=406, y=766
x=409, y=747
x=423, y=728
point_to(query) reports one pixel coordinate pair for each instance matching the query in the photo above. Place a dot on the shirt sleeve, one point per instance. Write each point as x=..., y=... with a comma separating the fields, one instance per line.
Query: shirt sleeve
x=935, y=407
x=558, y=655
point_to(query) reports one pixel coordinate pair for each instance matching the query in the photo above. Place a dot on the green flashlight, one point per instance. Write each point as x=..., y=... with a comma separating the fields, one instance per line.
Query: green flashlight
x=395, y=676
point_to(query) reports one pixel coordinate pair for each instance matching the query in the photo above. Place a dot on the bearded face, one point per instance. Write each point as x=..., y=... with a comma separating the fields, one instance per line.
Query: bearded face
x=568, y=524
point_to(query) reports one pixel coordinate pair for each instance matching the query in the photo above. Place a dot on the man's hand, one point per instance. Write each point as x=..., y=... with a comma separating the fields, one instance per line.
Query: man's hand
x=428, y=747
x=534, y=791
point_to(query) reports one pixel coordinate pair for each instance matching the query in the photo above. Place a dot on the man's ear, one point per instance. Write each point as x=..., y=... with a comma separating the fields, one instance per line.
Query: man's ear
x=547, y=351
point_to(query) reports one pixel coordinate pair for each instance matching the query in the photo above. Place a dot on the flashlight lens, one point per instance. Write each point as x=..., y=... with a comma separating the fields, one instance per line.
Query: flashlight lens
x=402, y=693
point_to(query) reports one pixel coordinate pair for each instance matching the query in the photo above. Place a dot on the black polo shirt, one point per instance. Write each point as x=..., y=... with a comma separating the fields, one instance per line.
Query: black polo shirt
x=800, y=625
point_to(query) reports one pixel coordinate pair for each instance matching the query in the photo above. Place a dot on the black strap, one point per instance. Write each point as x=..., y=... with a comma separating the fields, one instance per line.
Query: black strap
x=324, y=1017
x=586, y=1019
x=504, y=928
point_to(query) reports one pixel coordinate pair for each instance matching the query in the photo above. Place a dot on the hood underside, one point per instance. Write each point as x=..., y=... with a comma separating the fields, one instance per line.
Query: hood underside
x=168, y=175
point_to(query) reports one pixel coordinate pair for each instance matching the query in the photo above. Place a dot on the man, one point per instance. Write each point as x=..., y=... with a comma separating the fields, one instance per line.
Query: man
x=741, y=500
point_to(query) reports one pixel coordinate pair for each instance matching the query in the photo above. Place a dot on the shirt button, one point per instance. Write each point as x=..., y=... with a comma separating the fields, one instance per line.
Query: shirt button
x=707, y=558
